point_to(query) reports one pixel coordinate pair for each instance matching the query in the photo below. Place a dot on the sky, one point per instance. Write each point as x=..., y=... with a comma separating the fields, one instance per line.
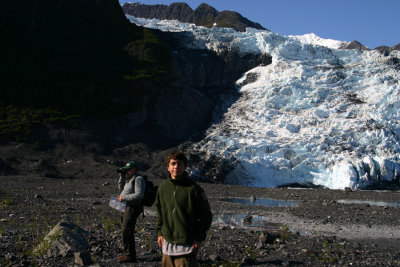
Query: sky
x=371, y=22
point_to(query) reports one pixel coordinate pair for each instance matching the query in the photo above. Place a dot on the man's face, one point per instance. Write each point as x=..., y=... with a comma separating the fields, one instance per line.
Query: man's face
x=176, y=168
x=130, y=172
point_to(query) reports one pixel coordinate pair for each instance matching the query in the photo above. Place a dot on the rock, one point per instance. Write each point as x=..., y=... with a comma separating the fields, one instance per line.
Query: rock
x=247, y=260
x=354, y=45
x=83, y=258
x=267, y=238
x=203, y=15
x=248, y=219
x=64, y=239
x=252, y=199
x=38, y=196
x=260, y=245
x=215, y=257
x=6, y=168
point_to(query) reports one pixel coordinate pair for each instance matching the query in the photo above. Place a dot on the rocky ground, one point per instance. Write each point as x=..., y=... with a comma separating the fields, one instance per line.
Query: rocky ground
x=39, y=188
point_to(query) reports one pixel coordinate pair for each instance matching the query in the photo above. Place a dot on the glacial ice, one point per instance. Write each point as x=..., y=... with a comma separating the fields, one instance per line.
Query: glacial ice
x=315, y=115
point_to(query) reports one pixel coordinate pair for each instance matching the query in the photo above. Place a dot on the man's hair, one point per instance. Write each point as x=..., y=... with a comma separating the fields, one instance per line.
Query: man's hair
x=177, y=155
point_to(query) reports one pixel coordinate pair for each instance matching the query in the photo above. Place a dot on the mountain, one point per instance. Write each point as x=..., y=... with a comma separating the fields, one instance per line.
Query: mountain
x=315, y=116
x=354, y=45
x=254, y=108
x=82, y=65
x=203, y=15
x=385, y=50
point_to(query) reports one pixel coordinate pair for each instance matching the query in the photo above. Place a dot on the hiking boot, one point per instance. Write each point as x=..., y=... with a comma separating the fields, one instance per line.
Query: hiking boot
x=126, y=258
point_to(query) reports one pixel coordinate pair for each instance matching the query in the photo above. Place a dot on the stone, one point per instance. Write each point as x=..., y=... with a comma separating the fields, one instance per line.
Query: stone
x=38, y=196
x=267, y=238
x=248, y=219
x=215, y=257
x=260, y=245
x=64, y=239
x=83, y=258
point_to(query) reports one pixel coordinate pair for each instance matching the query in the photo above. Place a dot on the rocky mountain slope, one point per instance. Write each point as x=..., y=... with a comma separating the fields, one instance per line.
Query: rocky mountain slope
x=107, y=78
x=203, y=15
x=354, y=45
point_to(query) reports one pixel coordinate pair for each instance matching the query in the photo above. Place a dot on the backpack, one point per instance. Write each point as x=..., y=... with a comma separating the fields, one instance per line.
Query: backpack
x=150, y=193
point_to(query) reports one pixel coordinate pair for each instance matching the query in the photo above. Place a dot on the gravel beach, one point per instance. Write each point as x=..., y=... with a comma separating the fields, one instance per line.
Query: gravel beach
x=302, y=227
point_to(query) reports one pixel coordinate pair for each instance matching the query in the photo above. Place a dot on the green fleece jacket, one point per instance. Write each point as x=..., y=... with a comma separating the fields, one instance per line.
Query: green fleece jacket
x=183, y=211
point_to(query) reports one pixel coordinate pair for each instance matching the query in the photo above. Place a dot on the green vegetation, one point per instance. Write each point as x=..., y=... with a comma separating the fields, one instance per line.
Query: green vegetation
x=6, y=202
x=285, y=233
x=86, y=70
x=152, y=58
x=17, y=123
x=110, y=224
x=45, y=244
x=251, y=252
x=330, y=253
x=77, y=64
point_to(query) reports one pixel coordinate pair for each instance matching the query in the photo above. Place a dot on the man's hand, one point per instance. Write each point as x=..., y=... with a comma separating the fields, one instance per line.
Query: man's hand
x=120, y=198
x=160, y=240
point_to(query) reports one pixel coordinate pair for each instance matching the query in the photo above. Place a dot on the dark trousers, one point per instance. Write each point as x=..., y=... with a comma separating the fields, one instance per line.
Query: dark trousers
x=128, y=229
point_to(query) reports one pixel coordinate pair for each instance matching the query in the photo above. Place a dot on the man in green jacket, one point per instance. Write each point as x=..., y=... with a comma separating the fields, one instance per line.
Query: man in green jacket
x=183, y=215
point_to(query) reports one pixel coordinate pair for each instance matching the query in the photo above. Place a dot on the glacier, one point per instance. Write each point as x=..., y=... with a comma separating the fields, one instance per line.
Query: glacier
x=312, y=38
x=316, y=115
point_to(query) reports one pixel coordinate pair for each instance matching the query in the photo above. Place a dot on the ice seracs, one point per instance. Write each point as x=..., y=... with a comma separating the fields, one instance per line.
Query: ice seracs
x=316, y=115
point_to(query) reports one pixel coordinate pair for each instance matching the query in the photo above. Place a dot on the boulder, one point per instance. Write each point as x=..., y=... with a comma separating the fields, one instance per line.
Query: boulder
x=63, y=240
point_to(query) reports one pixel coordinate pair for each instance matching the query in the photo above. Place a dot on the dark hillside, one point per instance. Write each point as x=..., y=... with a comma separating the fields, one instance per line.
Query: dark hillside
x=75, y=55
x=84, y=64
x=68, y=59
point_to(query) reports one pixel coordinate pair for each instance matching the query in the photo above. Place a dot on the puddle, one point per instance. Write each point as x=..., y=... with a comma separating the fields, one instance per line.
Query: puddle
x=369, y=202
x=266, y=202
x=242, y=220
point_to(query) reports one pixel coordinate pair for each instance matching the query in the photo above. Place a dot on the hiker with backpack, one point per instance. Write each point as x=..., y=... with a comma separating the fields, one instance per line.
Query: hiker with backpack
x=132, y=187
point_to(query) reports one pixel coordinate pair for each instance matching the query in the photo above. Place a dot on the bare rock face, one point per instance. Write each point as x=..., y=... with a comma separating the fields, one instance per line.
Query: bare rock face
x=64, y=239
x=203, y=15
x=386, y=50
x=354, y=45
x=201, y=77
x=179, y=11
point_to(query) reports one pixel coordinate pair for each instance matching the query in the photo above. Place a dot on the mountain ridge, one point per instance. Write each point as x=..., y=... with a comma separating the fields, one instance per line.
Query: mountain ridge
x=204, y=15
x=207, y=16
